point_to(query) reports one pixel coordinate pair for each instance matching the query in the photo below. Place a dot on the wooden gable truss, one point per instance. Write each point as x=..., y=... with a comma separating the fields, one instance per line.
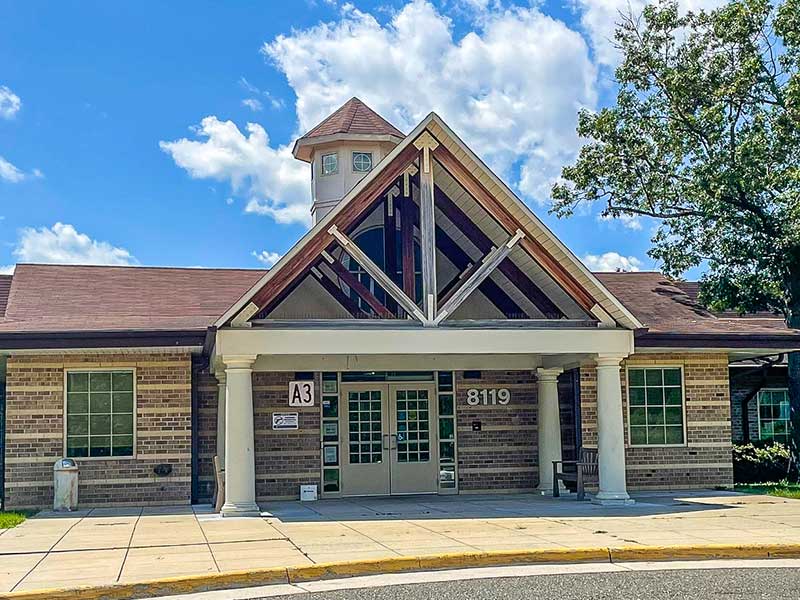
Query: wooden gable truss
x=411, y=170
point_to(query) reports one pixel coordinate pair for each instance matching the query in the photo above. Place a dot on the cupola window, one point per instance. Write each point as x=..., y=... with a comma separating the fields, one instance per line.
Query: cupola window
x=362, y=162
x=330, y=164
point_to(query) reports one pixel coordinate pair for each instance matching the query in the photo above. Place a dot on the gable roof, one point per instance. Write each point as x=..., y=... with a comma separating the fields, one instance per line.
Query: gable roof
x=108, y=298
x=535, y=229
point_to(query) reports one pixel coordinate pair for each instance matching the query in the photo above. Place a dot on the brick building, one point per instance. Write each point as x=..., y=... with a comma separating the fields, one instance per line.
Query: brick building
x=428, y=335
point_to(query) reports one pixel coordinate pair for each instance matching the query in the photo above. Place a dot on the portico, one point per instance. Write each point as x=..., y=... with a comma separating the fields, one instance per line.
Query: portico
x=435, y=314
x=541, y=353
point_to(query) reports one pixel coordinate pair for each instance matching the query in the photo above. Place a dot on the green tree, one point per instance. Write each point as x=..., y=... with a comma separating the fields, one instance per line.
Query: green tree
x=705, y=138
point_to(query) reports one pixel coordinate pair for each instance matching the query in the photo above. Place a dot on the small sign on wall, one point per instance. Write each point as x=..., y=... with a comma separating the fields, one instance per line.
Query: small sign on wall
x=301, y=393
x=283, y=421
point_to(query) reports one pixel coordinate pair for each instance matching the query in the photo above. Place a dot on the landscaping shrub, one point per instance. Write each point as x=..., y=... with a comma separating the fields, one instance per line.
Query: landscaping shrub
x=761, y=462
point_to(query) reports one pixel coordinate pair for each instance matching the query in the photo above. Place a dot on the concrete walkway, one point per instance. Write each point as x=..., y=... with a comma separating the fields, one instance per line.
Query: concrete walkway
x=106, y=546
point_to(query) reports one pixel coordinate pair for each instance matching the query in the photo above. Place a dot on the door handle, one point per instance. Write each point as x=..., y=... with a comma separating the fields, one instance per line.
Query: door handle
x=386, y=441
x=394, y=442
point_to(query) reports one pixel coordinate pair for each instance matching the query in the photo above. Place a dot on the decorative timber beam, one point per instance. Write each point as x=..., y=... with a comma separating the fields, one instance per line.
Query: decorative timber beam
x=390, y=239
x=427, y=224
x=356, y=207
x=359, y=288
x=512, y=272
x=389, y=286
x=408, y=217
x=461, y=260
x=487, y=265
x=493, y=206
x=336, y=292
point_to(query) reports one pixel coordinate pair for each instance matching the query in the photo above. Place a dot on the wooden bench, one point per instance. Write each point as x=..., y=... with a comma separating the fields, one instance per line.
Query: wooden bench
x=586, y=466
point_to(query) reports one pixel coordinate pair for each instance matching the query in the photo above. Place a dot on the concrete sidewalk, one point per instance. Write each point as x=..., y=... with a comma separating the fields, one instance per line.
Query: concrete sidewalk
x=108, y=546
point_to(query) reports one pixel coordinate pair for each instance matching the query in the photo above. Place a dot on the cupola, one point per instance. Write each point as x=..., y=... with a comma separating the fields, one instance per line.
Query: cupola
x=342, y=149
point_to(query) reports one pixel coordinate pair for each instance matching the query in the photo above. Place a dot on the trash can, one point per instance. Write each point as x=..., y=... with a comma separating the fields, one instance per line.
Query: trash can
x=65, y=484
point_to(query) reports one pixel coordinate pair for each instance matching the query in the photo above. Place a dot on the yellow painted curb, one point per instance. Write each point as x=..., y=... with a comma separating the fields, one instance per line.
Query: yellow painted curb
x=353, y=568
x=705, y=552
x=257, y=577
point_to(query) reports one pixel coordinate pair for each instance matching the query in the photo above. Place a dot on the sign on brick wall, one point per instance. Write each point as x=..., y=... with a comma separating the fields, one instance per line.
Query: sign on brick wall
x=301, y=393
x=488, y=397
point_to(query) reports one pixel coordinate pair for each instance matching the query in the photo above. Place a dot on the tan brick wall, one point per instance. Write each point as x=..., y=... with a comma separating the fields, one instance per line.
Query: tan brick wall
x=35, y=431
x=503, y=456
x=705, y=460
x=206, y=390
x=284, y=459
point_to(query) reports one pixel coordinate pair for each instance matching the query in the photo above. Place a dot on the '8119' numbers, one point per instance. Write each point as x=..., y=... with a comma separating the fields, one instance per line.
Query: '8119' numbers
x=488, y=397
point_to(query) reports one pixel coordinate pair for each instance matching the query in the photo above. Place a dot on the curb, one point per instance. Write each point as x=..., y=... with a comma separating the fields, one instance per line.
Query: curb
x=289, y=575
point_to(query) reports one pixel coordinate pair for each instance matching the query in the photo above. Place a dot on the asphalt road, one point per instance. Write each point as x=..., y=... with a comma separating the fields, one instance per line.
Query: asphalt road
x=644, y=585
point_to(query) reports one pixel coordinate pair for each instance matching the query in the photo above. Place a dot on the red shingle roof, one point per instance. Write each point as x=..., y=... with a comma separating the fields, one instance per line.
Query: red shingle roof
x=354, y=117
x=664, y=307
x=91, y=298
x=5, y=288
x=63, y=298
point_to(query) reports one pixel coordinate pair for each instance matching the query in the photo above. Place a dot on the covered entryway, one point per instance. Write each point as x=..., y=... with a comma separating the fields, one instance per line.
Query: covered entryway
x=428, y=263
x=391, y=439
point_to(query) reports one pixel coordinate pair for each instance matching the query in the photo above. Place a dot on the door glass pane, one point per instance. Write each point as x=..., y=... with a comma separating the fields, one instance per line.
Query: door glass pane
x=364, y=414
x=413, y=431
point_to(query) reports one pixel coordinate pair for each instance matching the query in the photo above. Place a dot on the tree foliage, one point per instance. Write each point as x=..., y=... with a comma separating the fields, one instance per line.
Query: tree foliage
x=705, y=136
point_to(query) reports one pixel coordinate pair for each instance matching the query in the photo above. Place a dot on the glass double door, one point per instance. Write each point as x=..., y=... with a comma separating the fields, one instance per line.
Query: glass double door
x=389, y=441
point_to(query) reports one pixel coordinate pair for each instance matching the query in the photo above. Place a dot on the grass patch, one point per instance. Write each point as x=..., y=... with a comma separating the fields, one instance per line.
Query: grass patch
x=12, y=519
x=783, y=489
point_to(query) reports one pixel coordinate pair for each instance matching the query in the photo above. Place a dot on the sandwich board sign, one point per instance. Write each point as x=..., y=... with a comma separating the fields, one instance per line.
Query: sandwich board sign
x=301, y=394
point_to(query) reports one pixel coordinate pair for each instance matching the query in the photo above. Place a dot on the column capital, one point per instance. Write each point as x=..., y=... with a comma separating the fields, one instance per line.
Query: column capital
x=549, y=374
x=609, y=360
x=239, y=361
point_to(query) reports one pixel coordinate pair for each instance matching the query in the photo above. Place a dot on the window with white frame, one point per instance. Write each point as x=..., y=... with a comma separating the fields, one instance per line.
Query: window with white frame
x=362, y=162
x=100, y=411
x=774, y=420
x=330, y=163
x=655, y=406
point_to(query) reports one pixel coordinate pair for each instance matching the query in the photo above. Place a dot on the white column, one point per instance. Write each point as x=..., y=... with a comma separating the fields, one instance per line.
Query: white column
x=221, y=385
x=240, y=466
x=549, y=427
x=610, y=433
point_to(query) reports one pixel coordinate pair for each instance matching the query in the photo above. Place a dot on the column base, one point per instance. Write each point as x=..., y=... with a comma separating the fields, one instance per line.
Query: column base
x=240, y=509
x=613, y=499
x=546, y=489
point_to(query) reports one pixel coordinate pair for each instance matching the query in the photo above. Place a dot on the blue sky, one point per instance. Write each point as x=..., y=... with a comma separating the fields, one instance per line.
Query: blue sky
x=124, y=131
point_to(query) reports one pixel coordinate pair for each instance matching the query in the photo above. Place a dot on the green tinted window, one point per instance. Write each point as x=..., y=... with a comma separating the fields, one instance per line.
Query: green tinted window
x=655, y=406
x=100, y=413
x=774, y=422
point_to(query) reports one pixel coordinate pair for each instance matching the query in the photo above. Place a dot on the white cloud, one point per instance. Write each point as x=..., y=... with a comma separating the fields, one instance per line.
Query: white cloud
x=9, y=103
x=612, y=261
x=9, y=172
x=253, y=104
x=511, y=88
x=276, y=103
x=7, y=269
x=599, y=19
x=63, y=244
x=267, y=258
x=274, y=182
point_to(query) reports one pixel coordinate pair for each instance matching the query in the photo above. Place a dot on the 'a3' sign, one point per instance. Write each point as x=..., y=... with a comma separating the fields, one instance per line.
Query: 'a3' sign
x=301, y=393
